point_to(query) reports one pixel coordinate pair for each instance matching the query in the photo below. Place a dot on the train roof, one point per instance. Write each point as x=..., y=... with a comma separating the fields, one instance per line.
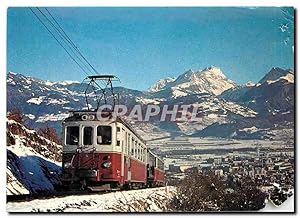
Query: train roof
x=155, y=155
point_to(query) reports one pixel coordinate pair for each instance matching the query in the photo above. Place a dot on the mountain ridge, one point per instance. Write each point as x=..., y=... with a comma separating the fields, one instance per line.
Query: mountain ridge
x=209, y=80
x=44, y=103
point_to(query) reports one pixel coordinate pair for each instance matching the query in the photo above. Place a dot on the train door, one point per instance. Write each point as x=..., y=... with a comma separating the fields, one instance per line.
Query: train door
x=86, y=157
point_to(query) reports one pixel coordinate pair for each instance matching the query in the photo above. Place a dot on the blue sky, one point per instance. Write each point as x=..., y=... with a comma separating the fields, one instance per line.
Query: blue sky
x=143, y=45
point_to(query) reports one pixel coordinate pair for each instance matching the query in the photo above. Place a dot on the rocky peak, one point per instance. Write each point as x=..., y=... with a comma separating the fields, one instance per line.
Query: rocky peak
x=274, y=74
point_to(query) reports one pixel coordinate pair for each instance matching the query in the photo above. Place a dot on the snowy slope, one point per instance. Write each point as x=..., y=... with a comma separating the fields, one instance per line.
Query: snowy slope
x=145, y=200
x=160, y=84
x=274, y=74
x=289, y=78
x=13, y=186
x=235, y=94
x=286, y=206
x=33, y=162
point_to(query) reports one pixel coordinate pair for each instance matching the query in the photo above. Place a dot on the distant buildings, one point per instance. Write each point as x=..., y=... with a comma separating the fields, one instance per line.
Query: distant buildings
x=263, y=168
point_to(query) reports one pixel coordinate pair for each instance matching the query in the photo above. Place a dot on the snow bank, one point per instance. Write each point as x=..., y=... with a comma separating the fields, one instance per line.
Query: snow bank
x=287, y=206
x=52, y=117
x=37, y=100
x=31, y=174
x=13, y=186
x=144, y=200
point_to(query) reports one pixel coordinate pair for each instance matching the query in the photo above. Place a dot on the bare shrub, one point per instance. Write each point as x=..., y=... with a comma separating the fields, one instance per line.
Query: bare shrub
x=16, y=115
x=245, y=197
x=198, y=192
x=10, y=140
x=49, y=133
x=207, y=192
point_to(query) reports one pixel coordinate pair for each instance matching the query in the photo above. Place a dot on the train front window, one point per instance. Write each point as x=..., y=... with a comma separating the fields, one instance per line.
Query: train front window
x=72, y=137
x=88, y=135
x=104, y=135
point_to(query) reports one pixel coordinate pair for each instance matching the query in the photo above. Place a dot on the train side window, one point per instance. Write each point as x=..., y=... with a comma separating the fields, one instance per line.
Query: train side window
x=128, y=150
x=72, y=137
x=160, y=164
x=140, y=152
x=132, y=150
x=88, y=135
x=118, y=129
x=128, y=144
x=104, y=135
x=152, y=159
x=125, y=143
x=118, y=143
x=135, y=150
x=145, y=154
x=133, y=146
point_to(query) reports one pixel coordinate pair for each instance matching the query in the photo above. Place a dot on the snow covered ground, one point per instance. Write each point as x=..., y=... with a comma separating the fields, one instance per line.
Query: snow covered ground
x=287, y=206
x=144, y=200
x=52, y=117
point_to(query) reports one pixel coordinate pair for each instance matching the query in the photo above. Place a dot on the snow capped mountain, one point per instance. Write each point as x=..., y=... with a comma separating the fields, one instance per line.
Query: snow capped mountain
x=276, y=73
x=289, y=78
x=28, y=80
x=235, y=93
x=67, y=82
x=210, y=80
x=160, y=84
x=220, y=100
x=273, y=94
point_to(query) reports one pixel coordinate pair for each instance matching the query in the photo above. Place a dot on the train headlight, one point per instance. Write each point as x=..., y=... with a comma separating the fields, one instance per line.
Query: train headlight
x=67, y=165
x=107, y=164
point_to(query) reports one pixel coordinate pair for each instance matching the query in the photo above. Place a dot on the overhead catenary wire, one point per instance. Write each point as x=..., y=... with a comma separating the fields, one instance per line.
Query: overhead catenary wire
x=60, y=35
x=65, y=40
x=70, y=41
x=74, y=46
x=66, y=50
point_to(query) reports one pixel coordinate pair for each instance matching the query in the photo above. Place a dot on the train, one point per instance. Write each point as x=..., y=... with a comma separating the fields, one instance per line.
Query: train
x=106, y=155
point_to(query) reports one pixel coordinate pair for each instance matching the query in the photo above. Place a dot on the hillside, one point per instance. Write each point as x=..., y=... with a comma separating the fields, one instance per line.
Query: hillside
x=33, y=162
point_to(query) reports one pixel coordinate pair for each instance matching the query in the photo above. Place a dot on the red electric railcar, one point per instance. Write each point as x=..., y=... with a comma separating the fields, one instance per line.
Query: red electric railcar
x=106, y=155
